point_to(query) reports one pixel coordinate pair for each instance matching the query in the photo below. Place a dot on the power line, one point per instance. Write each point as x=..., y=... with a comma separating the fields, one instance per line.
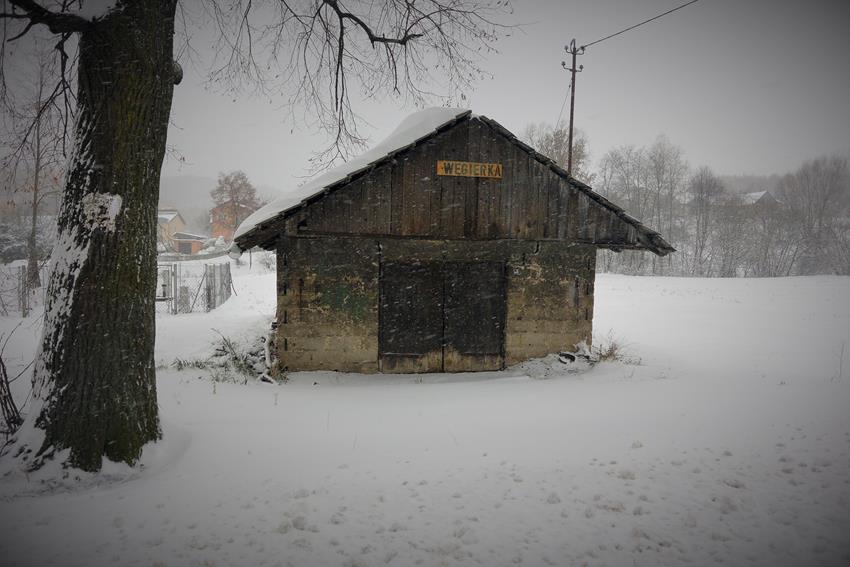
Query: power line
x=575, y=51
x=586, y=45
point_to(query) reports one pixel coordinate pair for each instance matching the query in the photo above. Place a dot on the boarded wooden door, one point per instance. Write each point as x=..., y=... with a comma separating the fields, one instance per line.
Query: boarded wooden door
x=448, y=317
x=474, y=316
x=411, y=318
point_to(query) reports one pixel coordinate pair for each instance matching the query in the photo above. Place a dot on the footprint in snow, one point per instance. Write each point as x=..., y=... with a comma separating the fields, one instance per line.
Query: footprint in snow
x=626, y=475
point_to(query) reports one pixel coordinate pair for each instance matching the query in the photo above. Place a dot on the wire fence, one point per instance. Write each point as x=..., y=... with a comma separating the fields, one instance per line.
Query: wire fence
x=181, y=288
x=190, y=287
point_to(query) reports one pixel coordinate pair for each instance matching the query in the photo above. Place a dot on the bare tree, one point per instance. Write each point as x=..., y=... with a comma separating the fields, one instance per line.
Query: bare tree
x=703, y=190
x=235, y=197
x=94, y=388
x=623, y=178
x=553, y=142
x=776, y=241
x=818, y=197
x=35, y=150
x=666, y=171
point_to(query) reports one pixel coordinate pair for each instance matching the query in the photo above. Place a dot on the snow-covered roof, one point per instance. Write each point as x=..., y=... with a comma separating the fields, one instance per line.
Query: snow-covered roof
x=414, y=129
x=756, y=196
x=418, y=125
x=165, y=217
x=188, y=236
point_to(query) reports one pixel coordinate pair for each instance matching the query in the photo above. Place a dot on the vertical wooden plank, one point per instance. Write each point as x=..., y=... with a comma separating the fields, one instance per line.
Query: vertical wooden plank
x=406, y=190
x=513, y=188
x=519, y=201
x=563, y=199
x=355, y=201
x=534, y=211
x=454, y=147
x=553, y=204
x=424, y=184
x=396, y=182
x=572, y=211
x=496, y=149
x=383, y=193
x=480, y=151
x=334, y=219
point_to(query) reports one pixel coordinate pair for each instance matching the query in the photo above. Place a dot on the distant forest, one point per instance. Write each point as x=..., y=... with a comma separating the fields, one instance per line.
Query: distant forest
x=721, y=225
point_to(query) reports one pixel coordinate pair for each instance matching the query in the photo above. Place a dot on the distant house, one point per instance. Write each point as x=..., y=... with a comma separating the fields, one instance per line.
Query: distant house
x=188, y=243
x=172, y=236
x=168, y=222
x=760, y=198
x=225, y=217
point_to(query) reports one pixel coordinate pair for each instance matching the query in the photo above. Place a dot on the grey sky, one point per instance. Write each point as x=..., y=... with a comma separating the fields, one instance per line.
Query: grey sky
x=743, y=86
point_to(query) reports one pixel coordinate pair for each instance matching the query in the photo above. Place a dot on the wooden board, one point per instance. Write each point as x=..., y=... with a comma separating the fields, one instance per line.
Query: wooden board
x=442, y=317
x=411, y=318
x=474, y=317
x=469, y=169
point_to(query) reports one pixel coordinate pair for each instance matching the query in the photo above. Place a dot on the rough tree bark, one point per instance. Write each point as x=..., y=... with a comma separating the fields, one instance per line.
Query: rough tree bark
x=103, y=268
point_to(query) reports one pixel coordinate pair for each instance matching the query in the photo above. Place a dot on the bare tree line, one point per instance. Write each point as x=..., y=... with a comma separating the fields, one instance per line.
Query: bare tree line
x=798, y=225
x=801, y=228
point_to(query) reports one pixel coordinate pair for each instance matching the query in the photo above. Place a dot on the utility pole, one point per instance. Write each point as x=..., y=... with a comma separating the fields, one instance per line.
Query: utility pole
x=572, y=50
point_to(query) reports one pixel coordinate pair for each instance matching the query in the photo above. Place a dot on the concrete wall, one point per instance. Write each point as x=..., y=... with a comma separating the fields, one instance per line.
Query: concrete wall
x=327, y=309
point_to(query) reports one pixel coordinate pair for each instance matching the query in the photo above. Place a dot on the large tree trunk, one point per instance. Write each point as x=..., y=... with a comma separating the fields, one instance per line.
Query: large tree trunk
x=94, y=383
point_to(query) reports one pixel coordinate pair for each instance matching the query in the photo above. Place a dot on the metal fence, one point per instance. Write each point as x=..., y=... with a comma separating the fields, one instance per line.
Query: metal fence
x=182, y=287
x=188, y=287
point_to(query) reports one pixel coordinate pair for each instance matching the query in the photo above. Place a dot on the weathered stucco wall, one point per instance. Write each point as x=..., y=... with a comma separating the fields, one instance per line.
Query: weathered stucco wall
x=327, y=309
x=550, y=301
x=328, y=295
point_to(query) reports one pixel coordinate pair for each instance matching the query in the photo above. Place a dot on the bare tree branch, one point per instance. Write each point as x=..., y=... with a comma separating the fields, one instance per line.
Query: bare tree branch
x=56, y=22
x=321, y=55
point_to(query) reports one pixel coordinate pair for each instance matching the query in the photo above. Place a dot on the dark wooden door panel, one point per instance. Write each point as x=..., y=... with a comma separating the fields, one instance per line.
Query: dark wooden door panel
x=448, y=317
x=411, y=333
x=475, y=307
x=474, y=316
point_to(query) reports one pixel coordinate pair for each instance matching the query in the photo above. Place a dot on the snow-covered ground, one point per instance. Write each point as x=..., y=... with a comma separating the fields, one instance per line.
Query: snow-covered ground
x=728, y=443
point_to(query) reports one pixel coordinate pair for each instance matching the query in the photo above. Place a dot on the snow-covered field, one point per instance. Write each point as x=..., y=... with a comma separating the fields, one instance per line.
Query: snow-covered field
x=728, y=443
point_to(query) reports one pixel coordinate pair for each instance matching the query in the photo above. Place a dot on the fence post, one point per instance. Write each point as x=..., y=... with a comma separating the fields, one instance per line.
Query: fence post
x=222, y=279
x=23, y=296
x=209, y=271
x=174, y=268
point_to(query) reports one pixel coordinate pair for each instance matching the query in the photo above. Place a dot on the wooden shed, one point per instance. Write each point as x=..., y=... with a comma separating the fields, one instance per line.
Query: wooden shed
x=451, y=246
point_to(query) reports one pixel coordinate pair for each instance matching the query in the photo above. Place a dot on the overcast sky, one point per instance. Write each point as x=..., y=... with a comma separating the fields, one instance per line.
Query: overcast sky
x=743, y=86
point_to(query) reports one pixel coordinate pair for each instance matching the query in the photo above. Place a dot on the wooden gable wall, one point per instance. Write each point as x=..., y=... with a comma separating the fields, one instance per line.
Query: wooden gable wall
x=405, y=197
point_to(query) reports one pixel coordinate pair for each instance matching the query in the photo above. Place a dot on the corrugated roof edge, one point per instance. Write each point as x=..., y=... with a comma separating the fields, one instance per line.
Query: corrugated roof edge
x=651, y=239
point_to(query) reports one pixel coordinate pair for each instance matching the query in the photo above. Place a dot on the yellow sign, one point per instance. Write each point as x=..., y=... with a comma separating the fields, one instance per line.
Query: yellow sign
x=469, y=169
